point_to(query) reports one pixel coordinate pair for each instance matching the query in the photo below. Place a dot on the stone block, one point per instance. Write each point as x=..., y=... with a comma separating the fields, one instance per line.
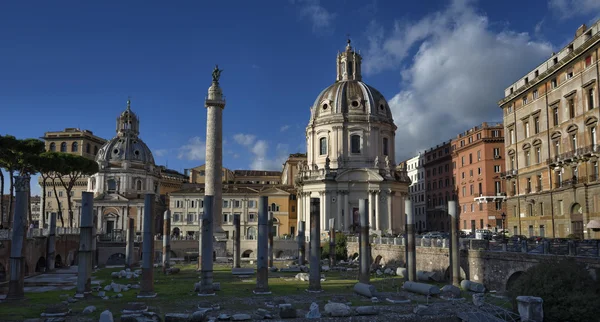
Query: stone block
x=421, y=288
x=366, y=290
x=530, y=308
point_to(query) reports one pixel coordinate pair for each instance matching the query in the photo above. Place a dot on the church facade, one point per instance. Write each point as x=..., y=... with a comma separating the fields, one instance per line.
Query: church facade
x=350, y=142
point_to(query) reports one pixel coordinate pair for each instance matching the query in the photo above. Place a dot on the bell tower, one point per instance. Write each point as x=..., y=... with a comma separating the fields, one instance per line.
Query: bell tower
x=348, y=64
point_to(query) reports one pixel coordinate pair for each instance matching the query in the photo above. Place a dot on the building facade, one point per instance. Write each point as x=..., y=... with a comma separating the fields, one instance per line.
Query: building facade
x=198, y=175
x=36, y=210
x=477, y=159
x=350, y=142
x=6, y=213
x=416, y=173
x=439, y=186
x=551, y=141
x=187, y=208
x=74, y=141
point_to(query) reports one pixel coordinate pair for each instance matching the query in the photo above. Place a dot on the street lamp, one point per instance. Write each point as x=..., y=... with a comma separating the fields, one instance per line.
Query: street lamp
x=504, y=227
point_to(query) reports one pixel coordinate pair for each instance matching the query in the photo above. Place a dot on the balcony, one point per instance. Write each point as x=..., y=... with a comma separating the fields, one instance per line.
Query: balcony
x=579, y=154
x=508, y=174
x=593, y=178
x=490, y=197
x=570, y=183
x=538, y=188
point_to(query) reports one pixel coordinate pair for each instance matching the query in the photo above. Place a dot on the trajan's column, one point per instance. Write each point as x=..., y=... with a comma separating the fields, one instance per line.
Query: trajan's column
x=215, y=103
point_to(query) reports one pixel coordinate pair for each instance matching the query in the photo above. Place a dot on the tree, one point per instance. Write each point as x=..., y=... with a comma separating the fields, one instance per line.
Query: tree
x=8, y=161
x=72, y=168
x=28, y=152
x=567, y=288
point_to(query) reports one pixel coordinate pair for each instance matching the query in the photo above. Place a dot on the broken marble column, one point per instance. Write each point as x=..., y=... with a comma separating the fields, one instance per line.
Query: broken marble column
x=17, y=260
x=166, y=249
x=262, y=269
x=86, y=223
x=51, y=246
x=147, y=283
x=129, y=246
x=314, y=277
x=236, y=241
x=271, y=233
x=301, y=243
x=454, y=250
x=364, y=247
x=411, y=258
x=331, y=242
x=206, y=252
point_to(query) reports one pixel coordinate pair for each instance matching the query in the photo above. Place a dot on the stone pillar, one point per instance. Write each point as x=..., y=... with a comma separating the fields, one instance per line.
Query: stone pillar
x=389, y=210
x=129, y=245
x=530, y=308
x=147, y=283
x=377, y=218
x=347, y=213
x=331, y=242
x=262, y=269
x=19, y=233
x=454, y=250
x=166, y=251
x=307, y=214
x=364, y=247
x=51, y=246
x=338, y=217
x=369, y=209
x=236, y=241
x=314, y=278
x=206, y=252
x=325, y=214
x=301, y=243
x=86, y=222
x=271, y=233
x=94, y=239
x=300, y=216
x=411, y=259
x=215, y=103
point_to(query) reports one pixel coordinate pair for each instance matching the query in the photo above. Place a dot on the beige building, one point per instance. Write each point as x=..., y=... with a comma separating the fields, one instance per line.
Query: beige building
x=198, y=175
x=551, y=141
x=187, y=208
x=75, y=141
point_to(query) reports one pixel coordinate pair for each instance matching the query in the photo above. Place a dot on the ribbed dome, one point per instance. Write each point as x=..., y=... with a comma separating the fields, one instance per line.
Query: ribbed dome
x=125, y=148
x=351, y=97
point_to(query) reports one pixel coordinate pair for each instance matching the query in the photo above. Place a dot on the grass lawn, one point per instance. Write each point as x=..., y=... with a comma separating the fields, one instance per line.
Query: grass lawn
x=175, y=292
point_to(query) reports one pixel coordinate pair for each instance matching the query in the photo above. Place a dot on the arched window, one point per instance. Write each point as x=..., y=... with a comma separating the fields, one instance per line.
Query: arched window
x=95, y=150
x=63, y=147
x=385, y=146
x=355, y=143
x=88, y=148
x=52, y=146
x=138, y=185
x=74, y=147
x=251, y=233
x=323, y=146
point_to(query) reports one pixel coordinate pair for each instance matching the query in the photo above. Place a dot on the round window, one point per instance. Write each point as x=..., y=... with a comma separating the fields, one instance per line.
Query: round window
x=381, y=107
x=136, y=152
x=325, y=106
x=116, y=151
x=354, y=103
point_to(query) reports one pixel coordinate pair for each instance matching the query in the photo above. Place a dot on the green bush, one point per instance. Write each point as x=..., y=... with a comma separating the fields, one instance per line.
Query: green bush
x=341, y=249
x=567, y=288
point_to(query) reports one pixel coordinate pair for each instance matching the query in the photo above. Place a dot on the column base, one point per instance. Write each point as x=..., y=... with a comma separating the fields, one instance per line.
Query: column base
x=146, y=295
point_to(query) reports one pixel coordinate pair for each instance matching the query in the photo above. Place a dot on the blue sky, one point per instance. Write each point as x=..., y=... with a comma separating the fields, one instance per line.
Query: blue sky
x=74, y=63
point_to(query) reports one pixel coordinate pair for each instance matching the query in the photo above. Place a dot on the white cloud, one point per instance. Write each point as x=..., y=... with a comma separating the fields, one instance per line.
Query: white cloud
x=261, y=161
x=284, y=128
x=321, y=19
x=160, y=152
x=244, y=139
x=565, y=9
x=194, y=150
x=456, y=76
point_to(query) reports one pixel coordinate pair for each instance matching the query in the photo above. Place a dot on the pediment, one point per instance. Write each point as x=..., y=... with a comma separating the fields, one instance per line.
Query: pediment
x=360, y=175
x=111, y=197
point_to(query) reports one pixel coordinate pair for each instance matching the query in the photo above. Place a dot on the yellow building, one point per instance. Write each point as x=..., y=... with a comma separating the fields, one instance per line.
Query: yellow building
x=198, y=174
x=551, y=143
x=74, y=141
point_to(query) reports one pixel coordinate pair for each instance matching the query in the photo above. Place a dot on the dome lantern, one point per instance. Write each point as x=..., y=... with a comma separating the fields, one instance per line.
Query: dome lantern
x=128, y=122
x=349, y=64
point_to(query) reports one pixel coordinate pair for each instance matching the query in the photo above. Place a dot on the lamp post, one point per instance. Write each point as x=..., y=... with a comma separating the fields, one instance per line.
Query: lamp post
x=503, y=228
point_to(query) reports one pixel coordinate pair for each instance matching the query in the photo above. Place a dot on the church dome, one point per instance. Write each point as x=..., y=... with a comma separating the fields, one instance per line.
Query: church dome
x=126, y=146
x=349, y=95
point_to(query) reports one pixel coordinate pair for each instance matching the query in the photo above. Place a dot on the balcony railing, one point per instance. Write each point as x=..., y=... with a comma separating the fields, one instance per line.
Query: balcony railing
x=509, y=173
x=574, y=155
x=593, y=178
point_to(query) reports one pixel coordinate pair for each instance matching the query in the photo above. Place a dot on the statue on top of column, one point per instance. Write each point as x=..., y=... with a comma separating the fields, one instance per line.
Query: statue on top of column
x=216, y=74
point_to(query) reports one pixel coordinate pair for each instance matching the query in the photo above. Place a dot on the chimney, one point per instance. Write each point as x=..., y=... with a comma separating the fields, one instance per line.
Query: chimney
x=580, y=30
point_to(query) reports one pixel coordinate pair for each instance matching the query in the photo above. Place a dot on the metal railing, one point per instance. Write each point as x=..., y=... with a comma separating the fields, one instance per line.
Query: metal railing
x=585, y=248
